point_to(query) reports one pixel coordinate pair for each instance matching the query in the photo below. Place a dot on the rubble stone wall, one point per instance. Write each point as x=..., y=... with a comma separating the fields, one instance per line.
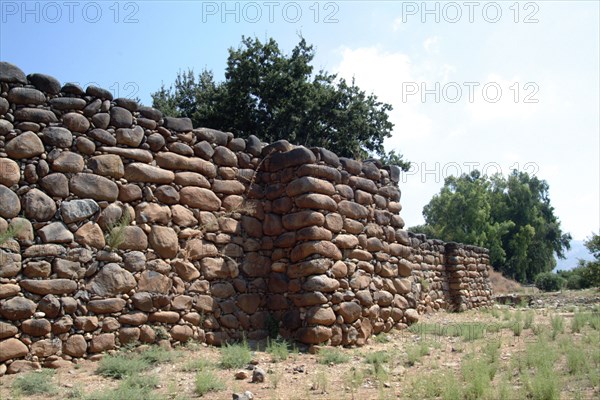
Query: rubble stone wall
x=120, y=225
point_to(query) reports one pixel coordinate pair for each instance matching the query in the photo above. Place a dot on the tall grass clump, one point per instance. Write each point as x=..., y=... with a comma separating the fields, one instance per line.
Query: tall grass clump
x=116, y=231
x=558, y=325
x=529, y=315
x=120, y=366
x=235, y=355
x=278, y=349
x=36, y=382
x=206, y=381
x=332, y=356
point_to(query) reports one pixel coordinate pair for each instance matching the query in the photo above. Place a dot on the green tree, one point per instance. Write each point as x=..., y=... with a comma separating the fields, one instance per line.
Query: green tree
x=277, y=96
x=591, y=271
x=510, y=216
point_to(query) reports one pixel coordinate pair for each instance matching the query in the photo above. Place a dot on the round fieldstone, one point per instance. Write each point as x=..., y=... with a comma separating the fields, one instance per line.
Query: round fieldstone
x=38, y=206
x=37, y=115
x=55, y=232
x=72, y=88
x=12, y=348
x=99, y=92
x=167, y=194
x=57, y=137
x=23, y=95
x=94, y=187
x=56, y=185
x=10, y=73
x=85, y=146
x=68, y=162
x=102, y=136
x=17, y=308
x=10, y=174
x=151, y=113
x=120, y=117
x=75, y=346
x=155, y=141
x=77, y=210
x=5, y=126
x=45, y=83
x=67, y=103
x=26, y=145
x=107, y=165
x=129, y=193
x=76, y=122
x=90, y=234
x=164, y=241
x=130, y=137
x=4, y=106
x=101, y=120
x=36, y=327
x=112, y=280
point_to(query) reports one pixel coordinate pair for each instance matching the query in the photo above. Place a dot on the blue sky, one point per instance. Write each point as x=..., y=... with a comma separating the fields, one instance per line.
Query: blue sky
x=543, y=56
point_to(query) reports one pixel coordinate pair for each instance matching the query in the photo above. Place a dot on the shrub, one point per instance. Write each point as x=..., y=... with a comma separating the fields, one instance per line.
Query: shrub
x=382, y=338
x=529, y=315
x=235, y=355
x=120, y=366
x=333, y=356
x=557, y=323
x=549, y=282
x=278, y=349
x=578, y=322
x=517, y=328
x=133, y=387
x=196, y=365
x=378, y=359
x=206, y=381
x=415, y=352
x=35, y=383
x=157, y=355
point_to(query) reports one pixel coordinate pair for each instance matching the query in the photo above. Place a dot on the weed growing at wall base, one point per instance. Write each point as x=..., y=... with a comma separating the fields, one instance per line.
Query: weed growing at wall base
x=38, y=382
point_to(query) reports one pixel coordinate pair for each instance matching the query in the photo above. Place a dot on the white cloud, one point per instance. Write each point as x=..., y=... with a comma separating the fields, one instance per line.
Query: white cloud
x=398, y=25
x=385, y=74
x=431, y=45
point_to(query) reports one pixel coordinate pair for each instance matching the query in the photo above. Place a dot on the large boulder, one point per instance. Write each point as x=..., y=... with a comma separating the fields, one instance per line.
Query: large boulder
x=111, y=281
x=26, y=145
x=38, y=206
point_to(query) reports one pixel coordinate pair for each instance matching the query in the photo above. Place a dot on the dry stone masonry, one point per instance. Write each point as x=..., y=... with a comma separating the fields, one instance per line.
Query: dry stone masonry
x=122, y=225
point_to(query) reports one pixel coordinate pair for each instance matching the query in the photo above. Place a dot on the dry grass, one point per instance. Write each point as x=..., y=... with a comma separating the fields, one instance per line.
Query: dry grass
x=503, y=285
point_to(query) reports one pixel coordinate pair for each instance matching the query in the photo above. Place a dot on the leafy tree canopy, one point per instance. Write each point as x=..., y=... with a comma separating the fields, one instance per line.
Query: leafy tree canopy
x=511, y=216
x=277, y=96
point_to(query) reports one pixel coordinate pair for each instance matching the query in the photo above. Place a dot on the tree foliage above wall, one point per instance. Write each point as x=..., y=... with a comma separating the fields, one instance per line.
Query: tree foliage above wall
x=277, y=96
x=511, y=216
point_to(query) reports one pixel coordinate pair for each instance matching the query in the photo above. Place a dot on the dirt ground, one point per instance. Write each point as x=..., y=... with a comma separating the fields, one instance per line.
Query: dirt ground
x=403, y=375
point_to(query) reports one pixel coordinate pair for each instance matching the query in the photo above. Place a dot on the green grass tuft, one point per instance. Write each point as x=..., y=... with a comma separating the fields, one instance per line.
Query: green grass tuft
x=332, y=356
x=133, y=387
x=207, y=381
x=121, y=366
x=37, y=382
x=558, y=325
x=278, y=349
x=235, y=355
x=158, y=355
x=116, y=231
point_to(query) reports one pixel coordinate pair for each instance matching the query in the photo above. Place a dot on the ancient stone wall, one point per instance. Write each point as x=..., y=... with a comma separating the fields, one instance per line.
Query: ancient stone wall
x=119, y=225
